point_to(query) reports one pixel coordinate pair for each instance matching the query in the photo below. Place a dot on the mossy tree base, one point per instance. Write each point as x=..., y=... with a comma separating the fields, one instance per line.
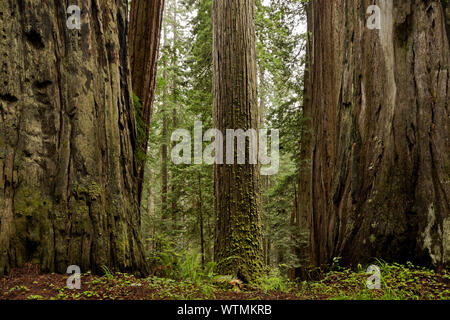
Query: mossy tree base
x=238, y=247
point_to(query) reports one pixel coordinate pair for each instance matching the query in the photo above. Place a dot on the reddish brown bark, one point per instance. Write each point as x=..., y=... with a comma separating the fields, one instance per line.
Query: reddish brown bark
x=68, y=175
x=144, y=39
x=380, y=148
x=238, y=245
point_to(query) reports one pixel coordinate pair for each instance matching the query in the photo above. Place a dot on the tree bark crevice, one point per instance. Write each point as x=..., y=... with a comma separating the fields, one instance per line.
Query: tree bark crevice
x=380, y=160
x=67, y=165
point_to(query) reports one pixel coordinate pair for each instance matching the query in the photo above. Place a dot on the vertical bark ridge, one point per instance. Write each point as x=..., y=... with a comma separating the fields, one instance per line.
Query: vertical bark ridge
x=67, y=134
x=144, y=41
x=380, y=112
x=238, y=245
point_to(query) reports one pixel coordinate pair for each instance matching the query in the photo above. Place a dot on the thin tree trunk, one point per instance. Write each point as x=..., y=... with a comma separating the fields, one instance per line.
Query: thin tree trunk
x=304, y=200
x=238, y=245
x=200, y=208
x=265, y=250
x=164, y=136
x=262, y=112
x=67, y=138
x=262, y=97
x=144, y=38
x=380, y=152
x=151, y=213
x=174, y=107
x=293, y=222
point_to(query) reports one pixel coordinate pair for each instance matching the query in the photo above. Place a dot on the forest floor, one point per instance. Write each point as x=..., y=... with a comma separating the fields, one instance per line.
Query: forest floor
x=398, y=282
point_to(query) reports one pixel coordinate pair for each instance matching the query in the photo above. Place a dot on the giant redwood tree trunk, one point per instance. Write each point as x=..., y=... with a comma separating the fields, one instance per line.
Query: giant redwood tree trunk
x=381, y=148
x=238, y=245
x=144, y=40
x=68, y=177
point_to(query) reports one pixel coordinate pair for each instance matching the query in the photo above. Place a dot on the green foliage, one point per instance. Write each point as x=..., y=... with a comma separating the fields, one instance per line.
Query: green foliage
x=281, y=51
x=278, y=206
x=399, y=282
x=184, y=88
x=190, y=267
x=180, y=266
x=107, y=272
x=183, y=96
x=274, y=281
x=20, y=288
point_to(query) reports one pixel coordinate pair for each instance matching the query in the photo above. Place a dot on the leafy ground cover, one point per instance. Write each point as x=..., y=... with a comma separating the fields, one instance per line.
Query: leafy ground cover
x=398, y=282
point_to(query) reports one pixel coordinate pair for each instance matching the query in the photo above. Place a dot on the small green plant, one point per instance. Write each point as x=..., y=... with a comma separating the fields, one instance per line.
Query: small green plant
x=90, y=294
x=336, y=264
x=190, y=267
x=19, y=288
x=274, y=281
x=35, y=297
x=108, y=273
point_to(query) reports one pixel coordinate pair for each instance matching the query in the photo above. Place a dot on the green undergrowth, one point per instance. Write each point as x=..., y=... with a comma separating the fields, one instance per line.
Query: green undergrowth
x=189, y=281
x=397, y=282
x=273, y=280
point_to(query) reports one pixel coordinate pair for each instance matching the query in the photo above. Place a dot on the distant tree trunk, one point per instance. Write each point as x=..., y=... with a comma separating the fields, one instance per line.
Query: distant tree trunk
x=164, y=135
x=380, y=152
x=238, y=245
x=164, y=164
x=293, y=223
x=262, y=96
x=150, y=245
x=173, y=187
x=200, y=209
x=265, y=250
x=304, y=201
x=144, y=38
x=67, y=138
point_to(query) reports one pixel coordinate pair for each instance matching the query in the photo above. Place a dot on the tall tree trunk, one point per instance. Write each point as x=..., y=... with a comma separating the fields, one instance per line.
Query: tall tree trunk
x=173, y=186
x=164, y=133
x=67, y=137
x=150, y=230
x=293, y=222
x=144, y=38
x=238, y=245
x=380, y=152
x=200, y=209
x=304, y=201
x=262, y=96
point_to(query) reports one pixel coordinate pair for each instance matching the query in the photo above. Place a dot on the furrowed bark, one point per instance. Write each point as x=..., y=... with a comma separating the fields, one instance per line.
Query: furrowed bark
x=144, y=40
x=165, y=135
x=304, y=207
x=238, y=245
x=68, y=176
x=380, y=118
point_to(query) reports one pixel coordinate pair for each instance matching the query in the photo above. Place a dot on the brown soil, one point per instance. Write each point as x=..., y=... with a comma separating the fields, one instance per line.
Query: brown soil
x=28, y=283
